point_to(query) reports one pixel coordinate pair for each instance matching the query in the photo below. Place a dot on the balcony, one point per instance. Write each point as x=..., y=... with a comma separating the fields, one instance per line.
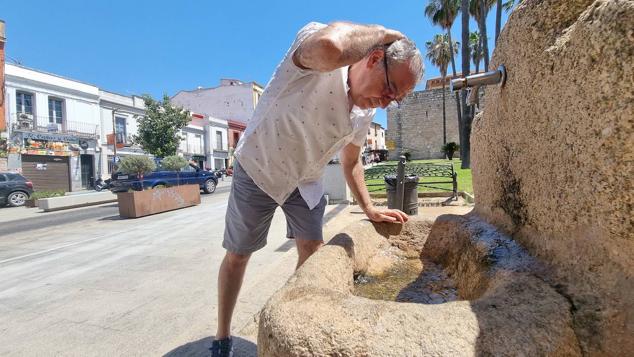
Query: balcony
x=123, y=140
x=41, y=124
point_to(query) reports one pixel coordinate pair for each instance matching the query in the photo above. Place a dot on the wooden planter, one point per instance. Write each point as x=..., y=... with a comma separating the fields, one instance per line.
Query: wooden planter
x=30, y=203
x=142, y=203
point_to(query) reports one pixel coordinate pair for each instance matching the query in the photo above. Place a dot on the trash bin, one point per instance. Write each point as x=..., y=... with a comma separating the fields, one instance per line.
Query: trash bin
x=410, y=196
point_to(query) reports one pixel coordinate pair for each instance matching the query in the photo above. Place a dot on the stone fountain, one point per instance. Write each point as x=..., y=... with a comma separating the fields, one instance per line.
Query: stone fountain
x=544, y=263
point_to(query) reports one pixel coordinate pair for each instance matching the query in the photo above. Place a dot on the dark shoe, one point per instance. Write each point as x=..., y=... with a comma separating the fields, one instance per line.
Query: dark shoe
x=222, y=348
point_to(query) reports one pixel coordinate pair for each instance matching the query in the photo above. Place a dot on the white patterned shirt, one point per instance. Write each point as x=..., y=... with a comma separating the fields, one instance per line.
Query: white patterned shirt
x=300, y=123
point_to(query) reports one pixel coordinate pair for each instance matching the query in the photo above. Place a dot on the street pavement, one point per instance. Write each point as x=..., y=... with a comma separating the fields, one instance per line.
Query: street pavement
x=84, y=282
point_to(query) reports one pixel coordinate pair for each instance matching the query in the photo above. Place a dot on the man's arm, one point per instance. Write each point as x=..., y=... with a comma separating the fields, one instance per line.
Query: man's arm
x=341, y=44
x=353, y=171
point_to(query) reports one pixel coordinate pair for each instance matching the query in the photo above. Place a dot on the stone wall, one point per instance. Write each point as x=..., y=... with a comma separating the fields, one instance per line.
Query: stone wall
x=553, y=159
x=417, y=125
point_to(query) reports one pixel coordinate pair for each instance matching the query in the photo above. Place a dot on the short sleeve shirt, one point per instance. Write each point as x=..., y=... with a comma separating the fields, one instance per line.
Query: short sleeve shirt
x=302, y=120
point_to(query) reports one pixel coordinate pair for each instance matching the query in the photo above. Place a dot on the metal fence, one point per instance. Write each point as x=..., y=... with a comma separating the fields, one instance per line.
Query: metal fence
x=430, y=175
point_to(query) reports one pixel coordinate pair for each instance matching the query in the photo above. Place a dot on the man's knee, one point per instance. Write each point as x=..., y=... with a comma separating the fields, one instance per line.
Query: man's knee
x=236, y=260
x=308, y=246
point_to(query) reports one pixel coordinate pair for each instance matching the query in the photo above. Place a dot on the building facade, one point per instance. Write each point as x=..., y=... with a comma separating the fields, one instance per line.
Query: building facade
x=53, y=129
x=233, y=101
x=119, y=114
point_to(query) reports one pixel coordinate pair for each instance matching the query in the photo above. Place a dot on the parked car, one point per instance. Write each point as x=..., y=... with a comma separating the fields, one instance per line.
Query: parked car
x=192, y=174
x=15, y=189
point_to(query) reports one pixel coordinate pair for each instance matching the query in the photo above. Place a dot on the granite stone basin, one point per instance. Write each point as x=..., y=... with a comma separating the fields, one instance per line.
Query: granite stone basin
x=494, y=302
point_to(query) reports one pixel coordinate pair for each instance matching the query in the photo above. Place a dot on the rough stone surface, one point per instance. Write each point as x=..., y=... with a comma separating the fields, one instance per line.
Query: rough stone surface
x=315, y=314
x=552, y=156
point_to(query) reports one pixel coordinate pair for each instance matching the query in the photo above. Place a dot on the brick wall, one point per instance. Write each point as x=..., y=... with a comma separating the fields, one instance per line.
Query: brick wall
x=417, y=125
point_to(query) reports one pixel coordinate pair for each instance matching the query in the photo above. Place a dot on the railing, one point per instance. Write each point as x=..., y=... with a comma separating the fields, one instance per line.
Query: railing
x=424, y=171
x=26, y=122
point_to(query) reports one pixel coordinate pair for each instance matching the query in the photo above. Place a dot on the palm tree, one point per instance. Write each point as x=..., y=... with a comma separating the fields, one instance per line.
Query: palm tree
x=507, y=6
x=439, y=52
x=476, y=49
x=443, y=13
x=465, y=123
x=479, y=10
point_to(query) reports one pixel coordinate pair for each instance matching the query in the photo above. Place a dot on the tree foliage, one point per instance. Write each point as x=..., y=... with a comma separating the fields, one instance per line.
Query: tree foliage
x=174, y=163
x=159, y=130
x=137, y=164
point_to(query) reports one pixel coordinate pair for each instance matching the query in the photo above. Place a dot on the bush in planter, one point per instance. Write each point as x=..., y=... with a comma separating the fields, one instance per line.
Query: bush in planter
x=138, y=165
x=450, y=148
x=47, y=194
x=174, y=163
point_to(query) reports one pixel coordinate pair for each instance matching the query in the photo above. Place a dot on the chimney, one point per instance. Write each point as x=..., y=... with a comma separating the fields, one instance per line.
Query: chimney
x=3, y=122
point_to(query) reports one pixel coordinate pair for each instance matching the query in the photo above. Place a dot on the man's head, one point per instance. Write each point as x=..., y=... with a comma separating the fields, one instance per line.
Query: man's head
x=386, y=74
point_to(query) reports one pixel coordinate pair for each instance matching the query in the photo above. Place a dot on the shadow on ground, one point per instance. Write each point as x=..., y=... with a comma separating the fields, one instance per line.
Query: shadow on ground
x=241, y=347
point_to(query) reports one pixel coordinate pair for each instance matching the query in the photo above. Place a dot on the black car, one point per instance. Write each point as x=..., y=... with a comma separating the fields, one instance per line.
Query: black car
x=162, y=178
x=15, y=189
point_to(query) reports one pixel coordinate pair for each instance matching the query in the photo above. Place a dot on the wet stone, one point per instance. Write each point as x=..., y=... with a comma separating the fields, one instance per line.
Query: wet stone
x=409, y=280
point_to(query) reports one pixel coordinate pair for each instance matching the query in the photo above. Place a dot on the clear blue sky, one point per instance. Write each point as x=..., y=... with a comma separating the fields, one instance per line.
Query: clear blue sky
x=156, y=47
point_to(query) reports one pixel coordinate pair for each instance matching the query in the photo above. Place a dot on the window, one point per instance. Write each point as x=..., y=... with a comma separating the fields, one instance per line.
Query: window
x=218, y=140
x=369, y=132
x=24, y=102
x=219, y=164
x=120, y=129
x=55, y=111
x=2, y=178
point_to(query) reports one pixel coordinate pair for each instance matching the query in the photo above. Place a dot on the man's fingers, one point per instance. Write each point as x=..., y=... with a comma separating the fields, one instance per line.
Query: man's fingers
x=386, y=218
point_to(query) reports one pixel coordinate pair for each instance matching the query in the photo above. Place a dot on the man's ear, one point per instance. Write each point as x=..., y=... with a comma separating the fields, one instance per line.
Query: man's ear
x=375, y=57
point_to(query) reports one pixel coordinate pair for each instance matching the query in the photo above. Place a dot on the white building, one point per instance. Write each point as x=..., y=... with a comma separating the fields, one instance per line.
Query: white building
x=205, y=142
x=217, y=131
x=53, y=128
x=127, y=109
x=232, y=100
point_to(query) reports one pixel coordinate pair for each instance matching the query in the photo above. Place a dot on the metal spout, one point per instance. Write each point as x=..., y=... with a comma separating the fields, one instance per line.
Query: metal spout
x=474, y=82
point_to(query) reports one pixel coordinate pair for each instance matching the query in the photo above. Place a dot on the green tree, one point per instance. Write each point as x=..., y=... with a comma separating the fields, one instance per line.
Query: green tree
x=439, y=52
x=443, y=13
x=174, y=163
x=476, y=49
x=479, y=10
x=159, y=130
x=139, y=165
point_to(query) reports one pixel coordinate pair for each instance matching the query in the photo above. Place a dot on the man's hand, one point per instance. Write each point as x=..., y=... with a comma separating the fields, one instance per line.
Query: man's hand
x=390, y=36
x=386, y=215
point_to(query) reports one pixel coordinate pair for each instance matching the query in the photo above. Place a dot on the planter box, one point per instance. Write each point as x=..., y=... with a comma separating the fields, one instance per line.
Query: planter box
x=30, y=203
x=142, y=203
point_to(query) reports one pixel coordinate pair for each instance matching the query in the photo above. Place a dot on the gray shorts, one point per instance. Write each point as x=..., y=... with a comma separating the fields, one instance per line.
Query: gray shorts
x=250, y=211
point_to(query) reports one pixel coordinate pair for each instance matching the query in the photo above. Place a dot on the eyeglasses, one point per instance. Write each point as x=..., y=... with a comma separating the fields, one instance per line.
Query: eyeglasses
x=394, y=103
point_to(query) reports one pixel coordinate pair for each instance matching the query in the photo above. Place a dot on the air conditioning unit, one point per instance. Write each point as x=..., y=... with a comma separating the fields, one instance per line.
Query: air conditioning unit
x=25, y=116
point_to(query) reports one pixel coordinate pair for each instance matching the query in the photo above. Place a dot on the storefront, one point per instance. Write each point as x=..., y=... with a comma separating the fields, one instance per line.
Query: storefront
x=53, y=161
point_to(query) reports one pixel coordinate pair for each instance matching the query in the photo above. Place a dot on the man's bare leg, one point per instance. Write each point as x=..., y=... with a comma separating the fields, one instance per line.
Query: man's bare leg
x=306, y=248
x=230, y=279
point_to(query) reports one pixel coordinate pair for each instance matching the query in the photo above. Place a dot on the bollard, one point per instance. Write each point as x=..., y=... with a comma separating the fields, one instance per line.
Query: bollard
x=400, y=183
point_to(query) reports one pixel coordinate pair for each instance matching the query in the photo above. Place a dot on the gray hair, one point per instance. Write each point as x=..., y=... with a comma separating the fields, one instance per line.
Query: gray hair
x=404, y=50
